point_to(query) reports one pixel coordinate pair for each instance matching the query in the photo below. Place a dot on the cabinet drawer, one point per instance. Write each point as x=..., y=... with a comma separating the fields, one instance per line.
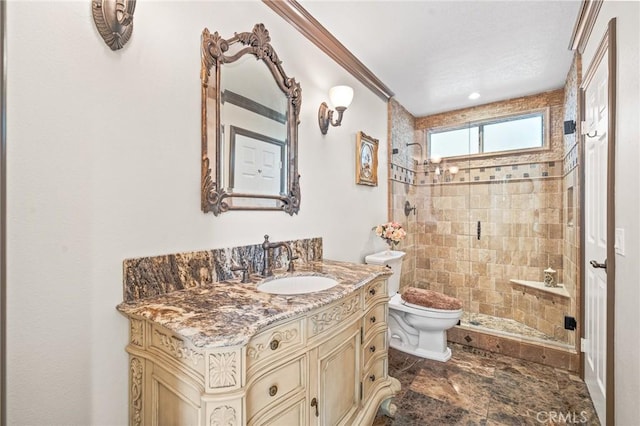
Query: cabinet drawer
x=374, y=346
x=375, y=317
x=375, y=374
x=274, y=342
x=283, y=414
x=375, y=290
x=276, y=385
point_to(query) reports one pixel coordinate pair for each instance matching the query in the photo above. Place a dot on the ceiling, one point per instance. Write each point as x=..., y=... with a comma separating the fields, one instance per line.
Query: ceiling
x=433, y=54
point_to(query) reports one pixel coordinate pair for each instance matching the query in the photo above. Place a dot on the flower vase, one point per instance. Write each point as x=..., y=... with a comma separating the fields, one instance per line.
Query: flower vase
x=389, y=249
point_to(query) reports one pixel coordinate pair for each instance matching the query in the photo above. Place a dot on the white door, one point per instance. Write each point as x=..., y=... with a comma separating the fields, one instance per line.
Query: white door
x=258, y=168
x=596, y=147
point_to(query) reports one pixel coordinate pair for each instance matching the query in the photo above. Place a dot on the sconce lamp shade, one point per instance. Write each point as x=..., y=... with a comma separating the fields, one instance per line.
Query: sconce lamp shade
x=341, y=96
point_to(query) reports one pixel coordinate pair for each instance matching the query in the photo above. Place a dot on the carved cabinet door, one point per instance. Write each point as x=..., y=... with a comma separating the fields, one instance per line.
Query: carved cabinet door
x=335, y=379
x=171, y=400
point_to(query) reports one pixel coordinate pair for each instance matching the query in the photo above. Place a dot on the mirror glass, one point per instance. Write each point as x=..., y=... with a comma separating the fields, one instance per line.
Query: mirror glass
x=249, y=132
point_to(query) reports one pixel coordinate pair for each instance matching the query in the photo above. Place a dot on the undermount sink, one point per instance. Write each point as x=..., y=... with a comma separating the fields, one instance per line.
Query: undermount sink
x=297, y=284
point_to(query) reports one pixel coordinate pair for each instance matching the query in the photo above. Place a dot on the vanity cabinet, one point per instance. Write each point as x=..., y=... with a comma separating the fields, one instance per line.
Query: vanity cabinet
x=326, y=366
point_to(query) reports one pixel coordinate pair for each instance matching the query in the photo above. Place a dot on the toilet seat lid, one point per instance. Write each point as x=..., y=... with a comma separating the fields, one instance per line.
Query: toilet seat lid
x=422, y=298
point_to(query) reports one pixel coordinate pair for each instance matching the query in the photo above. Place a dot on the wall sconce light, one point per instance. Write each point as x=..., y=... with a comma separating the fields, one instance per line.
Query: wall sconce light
x=436, y=161
x=340, y=97
x=569, y=127
x=114, y=20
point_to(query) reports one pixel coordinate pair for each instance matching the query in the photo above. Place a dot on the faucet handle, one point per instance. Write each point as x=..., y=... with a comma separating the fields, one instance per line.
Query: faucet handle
x=245, y=272
x=292, y=257
x=291, y=265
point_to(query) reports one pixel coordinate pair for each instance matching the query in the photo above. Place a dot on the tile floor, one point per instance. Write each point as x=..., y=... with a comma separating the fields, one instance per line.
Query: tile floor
x=483, y=388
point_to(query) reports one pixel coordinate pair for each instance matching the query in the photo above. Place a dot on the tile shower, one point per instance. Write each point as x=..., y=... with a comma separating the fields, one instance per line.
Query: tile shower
x=526, y=205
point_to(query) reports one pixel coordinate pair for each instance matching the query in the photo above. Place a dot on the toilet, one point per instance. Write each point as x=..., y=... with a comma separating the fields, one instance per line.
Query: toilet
x=418, y=319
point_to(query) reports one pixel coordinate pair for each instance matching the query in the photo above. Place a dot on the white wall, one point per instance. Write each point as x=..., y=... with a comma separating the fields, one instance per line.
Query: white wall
x=627, y=299
x=104, y=164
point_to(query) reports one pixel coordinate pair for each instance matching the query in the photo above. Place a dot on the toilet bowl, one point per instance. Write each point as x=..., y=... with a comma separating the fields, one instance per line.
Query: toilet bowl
x=417, y=329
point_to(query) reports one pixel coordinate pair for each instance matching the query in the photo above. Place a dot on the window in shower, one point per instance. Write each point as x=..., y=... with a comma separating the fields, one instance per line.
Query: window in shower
x=514, y=133
x=452, y=143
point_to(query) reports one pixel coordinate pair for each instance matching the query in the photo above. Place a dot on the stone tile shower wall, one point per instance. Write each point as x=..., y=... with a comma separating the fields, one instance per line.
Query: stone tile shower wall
x=402, y=174
x=519, y=200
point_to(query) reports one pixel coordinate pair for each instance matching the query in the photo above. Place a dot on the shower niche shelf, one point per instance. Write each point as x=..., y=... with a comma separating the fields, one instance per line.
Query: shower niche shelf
x=539, y=285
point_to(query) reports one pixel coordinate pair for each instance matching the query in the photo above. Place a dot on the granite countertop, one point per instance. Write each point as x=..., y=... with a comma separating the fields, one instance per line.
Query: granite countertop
x=229, y=313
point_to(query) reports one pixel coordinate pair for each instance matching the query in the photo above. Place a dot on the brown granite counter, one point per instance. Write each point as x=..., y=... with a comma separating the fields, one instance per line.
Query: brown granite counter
x=229, y=313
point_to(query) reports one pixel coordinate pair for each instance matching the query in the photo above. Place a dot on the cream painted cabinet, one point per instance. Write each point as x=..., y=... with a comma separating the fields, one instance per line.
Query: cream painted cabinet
x=335, y=382
x=327, y=366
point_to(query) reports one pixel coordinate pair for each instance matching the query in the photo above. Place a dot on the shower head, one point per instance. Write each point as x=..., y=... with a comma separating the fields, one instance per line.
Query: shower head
x=419, y=146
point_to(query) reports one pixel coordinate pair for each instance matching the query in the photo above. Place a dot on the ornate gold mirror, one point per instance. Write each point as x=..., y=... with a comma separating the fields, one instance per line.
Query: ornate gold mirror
x=250, y=116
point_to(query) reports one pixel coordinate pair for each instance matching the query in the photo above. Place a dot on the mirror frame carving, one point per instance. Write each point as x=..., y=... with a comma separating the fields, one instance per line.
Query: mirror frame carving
x=213, y=56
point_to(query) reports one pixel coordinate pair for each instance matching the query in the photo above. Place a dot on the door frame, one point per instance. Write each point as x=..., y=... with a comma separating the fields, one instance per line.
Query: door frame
x=607, y=45
x=3, y=213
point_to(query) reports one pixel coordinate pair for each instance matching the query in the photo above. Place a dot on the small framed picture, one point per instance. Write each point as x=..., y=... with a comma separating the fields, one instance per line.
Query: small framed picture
x=366, y=160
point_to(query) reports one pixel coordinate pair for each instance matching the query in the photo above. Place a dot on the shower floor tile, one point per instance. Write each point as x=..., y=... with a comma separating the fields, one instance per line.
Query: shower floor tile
x=505, y=326
x=476, y=387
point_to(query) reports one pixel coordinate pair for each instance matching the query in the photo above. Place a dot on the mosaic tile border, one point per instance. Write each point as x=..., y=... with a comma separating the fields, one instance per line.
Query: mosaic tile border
x=571, y=159
x=545, y=169
x=402, y=174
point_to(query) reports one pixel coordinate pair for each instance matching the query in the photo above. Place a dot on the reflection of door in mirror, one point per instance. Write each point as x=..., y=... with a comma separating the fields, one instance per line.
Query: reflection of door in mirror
x=258, y=166
x=254, y=113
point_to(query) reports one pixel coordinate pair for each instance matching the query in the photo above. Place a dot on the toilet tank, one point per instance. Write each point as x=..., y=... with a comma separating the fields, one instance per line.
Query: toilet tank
x=393, y=259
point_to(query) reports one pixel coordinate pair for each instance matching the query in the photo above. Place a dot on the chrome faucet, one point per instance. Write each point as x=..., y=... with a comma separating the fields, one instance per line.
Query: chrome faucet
x=267, y=270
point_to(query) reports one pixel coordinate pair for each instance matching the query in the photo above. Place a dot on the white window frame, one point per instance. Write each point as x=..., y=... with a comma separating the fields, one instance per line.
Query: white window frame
x=546, y=139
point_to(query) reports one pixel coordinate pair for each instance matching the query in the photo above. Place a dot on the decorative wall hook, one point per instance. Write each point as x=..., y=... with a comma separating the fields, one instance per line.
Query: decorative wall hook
x=114, y=20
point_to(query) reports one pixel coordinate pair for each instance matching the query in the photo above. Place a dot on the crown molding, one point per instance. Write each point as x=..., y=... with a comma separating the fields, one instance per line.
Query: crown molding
x=584, y=24
x=292, y=12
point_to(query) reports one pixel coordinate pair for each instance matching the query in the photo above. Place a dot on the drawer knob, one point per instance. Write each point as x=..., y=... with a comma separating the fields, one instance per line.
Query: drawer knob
x=372, y=348
x=372, y=319
x=273, y=390
x=372, y=292
x=372, y=377
x=274, y=344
